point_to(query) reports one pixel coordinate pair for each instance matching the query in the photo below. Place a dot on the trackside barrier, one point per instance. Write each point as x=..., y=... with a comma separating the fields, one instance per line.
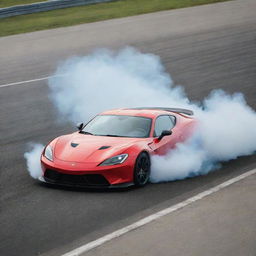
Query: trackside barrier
x=45, y=6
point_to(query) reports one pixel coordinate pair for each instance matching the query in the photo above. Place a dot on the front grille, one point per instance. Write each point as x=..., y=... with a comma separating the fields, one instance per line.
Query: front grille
x=79, y=180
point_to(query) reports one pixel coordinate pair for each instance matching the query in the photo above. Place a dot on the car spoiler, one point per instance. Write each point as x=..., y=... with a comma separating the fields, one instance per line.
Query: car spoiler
x=176, y=110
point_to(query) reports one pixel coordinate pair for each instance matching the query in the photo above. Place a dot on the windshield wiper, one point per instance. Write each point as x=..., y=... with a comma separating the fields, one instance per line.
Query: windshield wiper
x=108, y=135
x=113, y=135
x=83, y=132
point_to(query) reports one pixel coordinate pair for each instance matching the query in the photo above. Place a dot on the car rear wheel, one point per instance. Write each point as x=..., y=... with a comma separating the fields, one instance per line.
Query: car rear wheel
x=142, y=170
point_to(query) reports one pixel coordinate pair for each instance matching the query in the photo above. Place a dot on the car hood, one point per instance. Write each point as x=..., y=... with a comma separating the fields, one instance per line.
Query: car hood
x=90, y=149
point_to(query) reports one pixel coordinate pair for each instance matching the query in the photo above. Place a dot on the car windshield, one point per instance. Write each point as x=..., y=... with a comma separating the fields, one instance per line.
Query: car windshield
x=119, y=126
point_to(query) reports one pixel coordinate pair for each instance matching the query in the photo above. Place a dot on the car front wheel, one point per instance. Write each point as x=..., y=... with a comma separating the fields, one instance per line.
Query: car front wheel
x=142, y=170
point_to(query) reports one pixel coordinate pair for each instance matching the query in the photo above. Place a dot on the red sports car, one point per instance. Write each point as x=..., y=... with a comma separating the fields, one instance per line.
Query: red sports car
x=114, y=148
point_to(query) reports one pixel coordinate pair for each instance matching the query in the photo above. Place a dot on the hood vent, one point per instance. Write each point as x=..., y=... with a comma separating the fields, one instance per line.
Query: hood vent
x=104, y=147
x=74, y=144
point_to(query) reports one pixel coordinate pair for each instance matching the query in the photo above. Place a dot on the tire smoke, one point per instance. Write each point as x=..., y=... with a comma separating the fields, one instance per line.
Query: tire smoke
x=226, y=131
x=85, y=86
x=33, y=160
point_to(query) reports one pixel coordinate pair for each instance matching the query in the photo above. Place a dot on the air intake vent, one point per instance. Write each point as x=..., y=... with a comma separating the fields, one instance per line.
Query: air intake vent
x=74, y=144
x=104, y=147
x=75, y=180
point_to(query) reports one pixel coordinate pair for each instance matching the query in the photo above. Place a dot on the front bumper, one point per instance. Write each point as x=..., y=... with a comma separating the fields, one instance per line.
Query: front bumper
x=87, y=175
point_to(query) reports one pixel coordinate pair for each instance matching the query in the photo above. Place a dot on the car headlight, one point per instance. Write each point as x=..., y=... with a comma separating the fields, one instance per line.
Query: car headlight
x=48, y=153
x=115, y=160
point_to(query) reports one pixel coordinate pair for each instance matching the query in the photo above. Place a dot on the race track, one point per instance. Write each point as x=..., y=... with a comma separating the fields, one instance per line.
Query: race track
x=204, y=48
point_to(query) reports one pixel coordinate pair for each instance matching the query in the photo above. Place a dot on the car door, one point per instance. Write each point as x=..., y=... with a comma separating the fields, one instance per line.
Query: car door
x=162, y=123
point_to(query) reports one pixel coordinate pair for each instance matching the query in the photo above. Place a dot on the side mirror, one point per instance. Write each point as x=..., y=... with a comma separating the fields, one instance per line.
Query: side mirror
x=80, y=126
x=164, y=133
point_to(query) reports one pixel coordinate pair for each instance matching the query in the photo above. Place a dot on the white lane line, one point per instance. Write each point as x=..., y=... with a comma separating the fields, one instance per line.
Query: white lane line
x=26, y=82
x=31, y=81
x=89, y=246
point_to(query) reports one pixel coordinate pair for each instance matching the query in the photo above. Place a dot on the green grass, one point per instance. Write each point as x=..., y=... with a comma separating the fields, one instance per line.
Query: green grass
x=7, y=3
x=90, y=13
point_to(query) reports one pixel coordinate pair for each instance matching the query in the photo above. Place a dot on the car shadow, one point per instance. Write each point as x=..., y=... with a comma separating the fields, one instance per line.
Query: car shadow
x=87, y=189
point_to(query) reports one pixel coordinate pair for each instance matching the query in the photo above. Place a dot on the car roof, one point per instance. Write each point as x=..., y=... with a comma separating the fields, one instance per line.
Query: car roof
x=150, y=112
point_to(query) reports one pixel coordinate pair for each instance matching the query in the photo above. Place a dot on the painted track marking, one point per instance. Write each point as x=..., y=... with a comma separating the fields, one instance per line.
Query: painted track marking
x=32, y=80
x=91, y=245
x=26, y=82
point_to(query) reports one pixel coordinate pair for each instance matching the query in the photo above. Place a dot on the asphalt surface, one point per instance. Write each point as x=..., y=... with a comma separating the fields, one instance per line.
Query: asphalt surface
x=204, y=48
x=223, y=224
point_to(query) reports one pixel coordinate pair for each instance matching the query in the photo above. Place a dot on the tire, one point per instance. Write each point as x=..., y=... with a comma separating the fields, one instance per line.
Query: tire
x=142, y=170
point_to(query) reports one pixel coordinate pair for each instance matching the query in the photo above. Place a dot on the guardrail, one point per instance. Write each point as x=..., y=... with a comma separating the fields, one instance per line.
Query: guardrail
x=45, y=6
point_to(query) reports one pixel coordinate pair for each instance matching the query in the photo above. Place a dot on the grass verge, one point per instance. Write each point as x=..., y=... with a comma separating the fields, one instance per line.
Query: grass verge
x=90, y=13
x=8, y=3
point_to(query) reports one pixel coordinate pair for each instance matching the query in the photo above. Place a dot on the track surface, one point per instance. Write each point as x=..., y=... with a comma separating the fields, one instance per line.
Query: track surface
x=204, y=48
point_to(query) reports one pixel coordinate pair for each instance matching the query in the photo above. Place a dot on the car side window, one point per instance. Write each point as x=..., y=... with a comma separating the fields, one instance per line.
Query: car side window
x=164, y=123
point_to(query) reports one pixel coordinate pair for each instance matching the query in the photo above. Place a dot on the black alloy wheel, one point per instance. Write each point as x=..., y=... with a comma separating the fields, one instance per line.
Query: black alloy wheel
x=142, y=170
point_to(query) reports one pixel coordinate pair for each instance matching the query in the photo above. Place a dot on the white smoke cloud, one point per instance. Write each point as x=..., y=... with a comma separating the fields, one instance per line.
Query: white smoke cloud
x=228, y=126
x=186, y=160
x=33, y=160
x=226, y=131
x=105, y=80
x=85, y=86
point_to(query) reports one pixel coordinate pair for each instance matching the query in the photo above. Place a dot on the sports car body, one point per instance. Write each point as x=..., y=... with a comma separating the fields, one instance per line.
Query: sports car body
x=114, y=148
